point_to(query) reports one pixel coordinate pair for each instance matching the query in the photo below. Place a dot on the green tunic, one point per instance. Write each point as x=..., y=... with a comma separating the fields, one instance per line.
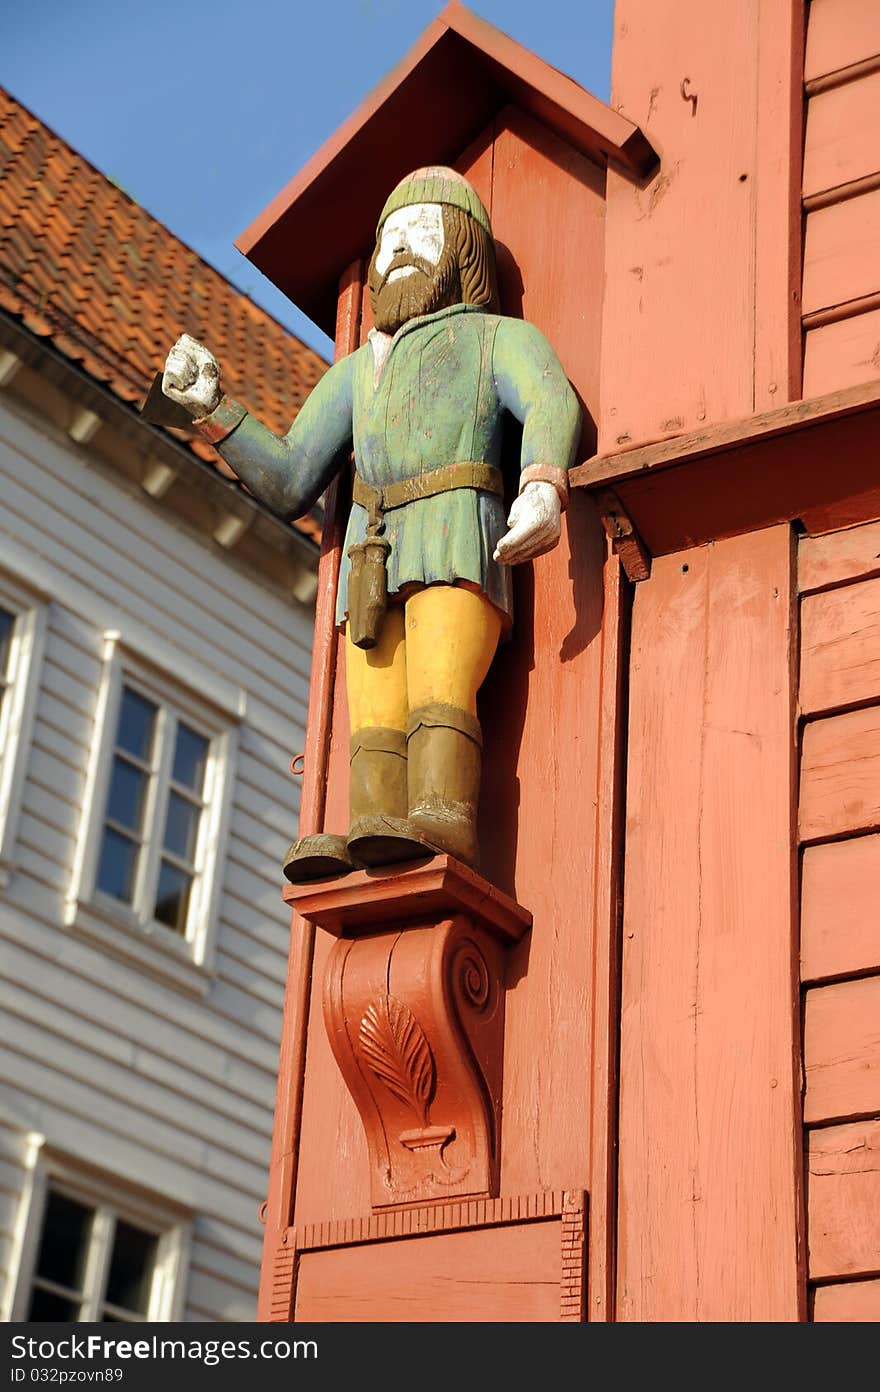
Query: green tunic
x=439, y=397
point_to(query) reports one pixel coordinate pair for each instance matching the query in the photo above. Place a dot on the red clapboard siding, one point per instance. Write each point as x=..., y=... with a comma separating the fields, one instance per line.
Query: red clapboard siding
x=849, y=1303
x=842, y=354
x=840, y=775
x=841, y=142
x=839, y=33
x=842, y=1050
x=842, y=252
x=840, y=923
x=852, y=554
x=844, y=1200
x=840, y=647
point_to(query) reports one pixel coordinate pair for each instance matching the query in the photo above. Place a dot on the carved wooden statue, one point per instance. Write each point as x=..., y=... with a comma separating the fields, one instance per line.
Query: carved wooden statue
x=425, y=591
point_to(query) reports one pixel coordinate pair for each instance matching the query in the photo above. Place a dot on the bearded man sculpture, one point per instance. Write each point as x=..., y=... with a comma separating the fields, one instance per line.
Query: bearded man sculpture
x=425, y=589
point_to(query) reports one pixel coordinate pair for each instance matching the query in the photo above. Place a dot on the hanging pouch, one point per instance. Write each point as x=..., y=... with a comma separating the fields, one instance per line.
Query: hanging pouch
x=367, y=590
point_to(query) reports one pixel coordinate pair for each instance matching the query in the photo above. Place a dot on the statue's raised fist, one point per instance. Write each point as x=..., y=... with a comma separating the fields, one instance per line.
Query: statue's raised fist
x=192, y=377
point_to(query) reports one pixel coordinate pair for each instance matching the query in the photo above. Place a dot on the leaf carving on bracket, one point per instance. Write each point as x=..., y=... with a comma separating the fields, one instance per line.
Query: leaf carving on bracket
x=394, y=1045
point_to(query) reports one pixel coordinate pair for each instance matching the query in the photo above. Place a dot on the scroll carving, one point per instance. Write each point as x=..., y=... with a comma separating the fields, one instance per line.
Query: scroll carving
x=416, y=1023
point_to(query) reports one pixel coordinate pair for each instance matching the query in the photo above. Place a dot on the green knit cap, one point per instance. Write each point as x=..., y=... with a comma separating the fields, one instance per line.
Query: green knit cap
x=436, y=184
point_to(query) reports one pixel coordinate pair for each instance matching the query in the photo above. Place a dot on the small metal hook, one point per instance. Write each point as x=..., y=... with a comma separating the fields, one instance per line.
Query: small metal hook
x=301, y=760
x=689, y=96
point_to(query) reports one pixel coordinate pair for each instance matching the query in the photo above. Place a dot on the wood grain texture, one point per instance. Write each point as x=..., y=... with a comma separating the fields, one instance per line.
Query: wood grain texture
x=778, y=221
x=841, y=142
x=507, y=1274
x=840, y=775
x=752, y=473
x=840, y=926
x=842, y=1050
x=842, y=354
x=850, y=1302
x=540, y=703
x=606, y=958
x=838, y=557
x=683, y=344
x=709, y=1108
x=842, y=252
x=664, y=301
x=840, y=647
x=843, y=1192
x=839, y=33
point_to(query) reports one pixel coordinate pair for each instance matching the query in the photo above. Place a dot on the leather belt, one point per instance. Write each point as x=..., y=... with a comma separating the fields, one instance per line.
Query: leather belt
x=377, y=501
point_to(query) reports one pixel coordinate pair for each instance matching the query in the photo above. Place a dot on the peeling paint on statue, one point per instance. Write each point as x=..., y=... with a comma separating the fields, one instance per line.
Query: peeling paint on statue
x=425, y=591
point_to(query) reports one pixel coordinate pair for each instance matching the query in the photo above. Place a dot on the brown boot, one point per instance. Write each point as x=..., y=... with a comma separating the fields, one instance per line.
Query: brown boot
x=444, y=752
x=317, y=857
x=379, y=831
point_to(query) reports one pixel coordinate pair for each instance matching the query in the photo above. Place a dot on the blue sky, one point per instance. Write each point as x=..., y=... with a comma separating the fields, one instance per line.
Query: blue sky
x=203, y=111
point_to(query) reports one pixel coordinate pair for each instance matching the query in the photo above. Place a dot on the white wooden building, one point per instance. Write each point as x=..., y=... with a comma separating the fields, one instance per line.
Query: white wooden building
x=155, y=635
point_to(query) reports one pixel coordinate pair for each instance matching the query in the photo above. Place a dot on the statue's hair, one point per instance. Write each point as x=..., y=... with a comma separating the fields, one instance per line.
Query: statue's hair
x=475, y=257
x=468, y=253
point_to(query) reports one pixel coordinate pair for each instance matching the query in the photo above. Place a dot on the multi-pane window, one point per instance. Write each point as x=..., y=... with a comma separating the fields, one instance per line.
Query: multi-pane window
x=90, y=1249
x=92, y=1264
x=147, y=869
x=158, y=789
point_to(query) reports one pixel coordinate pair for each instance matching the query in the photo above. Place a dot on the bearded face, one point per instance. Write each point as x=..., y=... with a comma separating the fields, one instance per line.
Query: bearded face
x=413, y=271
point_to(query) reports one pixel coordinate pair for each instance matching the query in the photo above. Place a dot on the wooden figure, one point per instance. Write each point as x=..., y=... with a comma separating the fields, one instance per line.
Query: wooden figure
x=447, y=1064
x=425, y=592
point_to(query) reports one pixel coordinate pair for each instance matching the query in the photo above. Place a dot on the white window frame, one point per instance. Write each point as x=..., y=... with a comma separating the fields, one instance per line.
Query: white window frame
x=17, y=705
x=130, y=931
x=48, y=1169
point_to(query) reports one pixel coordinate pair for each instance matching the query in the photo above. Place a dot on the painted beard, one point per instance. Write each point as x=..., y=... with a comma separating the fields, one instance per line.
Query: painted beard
x=421, y=291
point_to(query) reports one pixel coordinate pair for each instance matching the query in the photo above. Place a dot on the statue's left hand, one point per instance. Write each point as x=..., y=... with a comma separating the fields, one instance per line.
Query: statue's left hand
x=534, y=523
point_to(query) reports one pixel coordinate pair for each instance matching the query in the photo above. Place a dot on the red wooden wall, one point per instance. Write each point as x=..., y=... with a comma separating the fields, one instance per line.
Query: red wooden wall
x=839, y=821
x=841, y=195
x=696, y=757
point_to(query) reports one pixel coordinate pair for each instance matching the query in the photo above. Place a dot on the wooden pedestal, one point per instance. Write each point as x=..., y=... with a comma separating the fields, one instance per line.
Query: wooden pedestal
x=414, y=1010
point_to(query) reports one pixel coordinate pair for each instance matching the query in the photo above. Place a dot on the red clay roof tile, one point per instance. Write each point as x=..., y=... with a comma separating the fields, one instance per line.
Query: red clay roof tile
x=83, y=265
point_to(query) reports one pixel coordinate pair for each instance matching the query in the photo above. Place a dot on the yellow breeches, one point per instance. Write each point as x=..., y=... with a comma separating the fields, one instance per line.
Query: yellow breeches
x=438, y=646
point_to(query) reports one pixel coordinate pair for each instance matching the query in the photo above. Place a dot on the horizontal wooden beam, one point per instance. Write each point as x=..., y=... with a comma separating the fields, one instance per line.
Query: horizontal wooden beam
x=814, y=461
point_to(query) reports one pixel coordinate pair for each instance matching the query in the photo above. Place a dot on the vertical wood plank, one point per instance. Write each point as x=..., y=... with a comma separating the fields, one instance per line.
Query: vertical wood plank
x=295, y=1018
x=709, y=1110
x=540, y=704
x=678, y=338
x=606, y=951
x=778, y=217
x=684, y=341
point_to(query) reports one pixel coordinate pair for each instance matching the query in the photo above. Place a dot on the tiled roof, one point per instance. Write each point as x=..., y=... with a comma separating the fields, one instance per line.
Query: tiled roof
x=84, y=266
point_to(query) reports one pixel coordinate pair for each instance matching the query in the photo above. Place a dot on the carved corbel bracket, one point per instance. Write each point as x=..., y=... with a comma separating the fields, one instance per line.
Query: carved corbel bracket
x=414, y=1010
